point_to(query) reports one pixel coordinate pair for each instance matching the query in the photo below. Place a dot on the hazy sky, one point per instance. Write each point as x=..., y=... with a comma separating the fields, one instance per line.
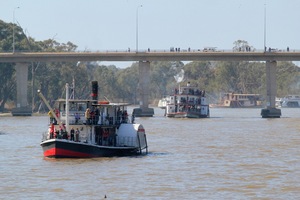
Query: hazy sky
x=111, y=24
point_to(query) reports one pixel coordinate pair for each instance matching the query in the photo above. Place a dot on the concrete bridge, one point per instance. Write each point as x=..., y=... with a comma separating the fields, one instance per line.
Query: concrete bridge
x=144, y=58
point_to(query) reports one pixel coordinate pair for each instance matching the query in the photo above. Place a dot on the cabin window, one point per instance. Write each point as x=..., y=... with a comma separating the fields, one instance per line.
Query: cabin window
x=73, y=106
x=82, y=106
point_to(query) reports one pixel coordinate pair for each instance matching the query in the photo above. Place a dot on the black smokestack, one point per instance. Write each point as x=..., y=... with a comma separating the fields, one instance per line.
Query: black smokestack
x=94, y=90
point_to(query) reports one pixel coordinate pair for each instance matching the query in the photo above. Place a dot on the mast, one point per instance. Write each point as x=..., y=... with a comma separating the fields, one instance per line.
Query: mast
x=67, y=107
x=72, y=87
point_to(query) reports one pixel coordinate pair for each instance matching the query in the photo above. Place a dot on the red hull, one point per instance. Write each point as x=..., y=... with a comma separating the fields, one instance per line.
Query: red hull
x=55, y=152
x=60, y=148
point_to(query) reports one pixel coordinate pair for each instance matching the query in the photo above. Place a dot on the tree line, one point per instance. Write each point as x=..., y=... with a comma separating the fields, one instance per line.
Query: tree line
x=122, y=85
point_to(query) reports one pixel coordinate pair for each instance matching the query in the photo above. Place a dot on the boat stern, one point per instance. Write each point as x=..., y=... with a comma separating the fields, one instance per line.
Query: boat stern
x=132, y=135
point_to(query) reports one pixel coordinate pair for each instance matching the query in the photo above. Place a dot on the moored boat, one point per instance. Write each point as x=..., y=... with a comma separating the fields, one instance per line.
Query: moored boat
x=187, y=102
x=92, y=128
x=290, y=101
x=162, y=103
x=240, y=100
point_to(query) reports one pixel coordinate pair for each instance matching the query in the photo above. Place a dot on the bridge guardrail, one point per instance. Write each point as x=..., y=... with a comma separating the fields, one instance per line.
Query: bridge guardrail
x=273, y=50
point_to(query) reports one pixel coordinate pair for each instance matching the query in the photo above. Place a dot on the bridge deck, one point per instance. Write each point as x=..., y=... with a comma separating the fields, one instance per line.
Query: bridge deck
x=146, y=56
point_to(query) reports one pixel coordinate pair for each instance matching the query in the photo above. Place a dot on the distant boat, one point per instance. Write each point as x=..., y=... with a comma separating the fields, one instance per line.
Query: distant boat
x=162, y=103
x=278, y=101
x=91, y=128
x=187, y=102
x=290, y=101
x=234, y=100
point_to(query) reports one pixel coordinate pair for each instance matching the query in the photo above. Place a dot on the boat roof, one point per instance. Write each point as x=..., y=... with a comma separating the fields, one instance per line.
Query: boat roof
x=75, y=100
x=241, y=94
x=292, y=96
x=190, y=87
x=112, y=104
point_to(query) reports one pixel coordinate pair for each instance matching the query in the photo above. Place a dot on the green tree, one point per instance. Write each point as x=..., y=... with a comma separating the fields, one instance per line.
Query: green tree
x=287, y=79
x=7, y=82
x=242, y=45
x=107, y=80
x=128, y=84
x=227, y=76
x=7, y=71
x=250, y=77
x=162, y=77
x=200, y=73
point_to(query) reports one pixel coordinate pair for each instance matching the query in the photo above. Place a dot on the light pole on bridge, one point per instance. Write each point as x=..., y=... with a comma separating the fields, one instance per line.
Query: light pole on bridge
x=265, y=27
x=14, y=29
x=137, y=28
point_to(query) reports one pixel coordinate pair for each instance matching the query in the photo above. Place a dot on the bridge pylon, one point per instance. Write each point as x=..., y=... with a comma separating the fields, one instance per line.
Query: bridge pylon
x=144, y=80
x=271, y=111
x=22, y=106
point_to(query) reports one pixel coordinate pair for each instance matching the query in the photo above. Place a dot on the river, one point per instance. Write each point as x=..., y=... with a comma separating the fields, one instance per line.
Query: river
x=235, y=154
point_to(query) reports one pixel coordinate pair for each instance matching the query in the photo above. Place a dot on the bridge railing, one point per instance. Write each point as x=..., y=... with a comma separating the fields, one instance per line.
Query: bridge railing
x=178, y=50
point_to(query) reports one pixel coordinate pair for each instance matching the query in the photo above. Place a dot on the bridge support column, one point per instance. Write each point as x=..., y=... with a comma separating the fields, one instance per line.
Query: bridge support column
x=271, y=111
x=144, y=77
x=22, y=107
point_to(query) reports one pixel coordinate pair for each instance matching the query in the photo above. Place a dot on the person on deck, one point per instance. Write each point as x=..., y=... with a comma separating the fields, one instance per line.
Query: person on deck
x=77, y=118
x=52, y=119
x=77, y=135
x=87, y=116
x=63, y=132
x=97, y=114
x=57, y=115
x=72, y=134
x=92, y=116
x=51, y=131
x=125, y=116
x=105, y=135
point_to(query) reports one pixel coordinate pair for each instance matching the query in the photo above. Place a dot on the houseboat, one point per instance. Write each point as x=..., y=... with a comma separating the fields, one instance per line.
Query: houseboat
x=235, y=100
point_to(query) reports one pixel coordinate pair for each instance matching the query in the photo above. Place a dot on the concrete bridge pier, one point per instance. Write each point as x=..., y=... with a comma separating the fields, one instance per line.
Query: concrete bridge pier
x=144, y=77
x=22, y=107
x=271, y=111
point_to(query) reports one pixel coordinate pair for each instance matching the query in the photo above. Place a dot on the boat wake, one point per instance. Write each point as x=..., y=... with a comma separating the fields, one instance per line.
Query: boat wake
x=158, y=153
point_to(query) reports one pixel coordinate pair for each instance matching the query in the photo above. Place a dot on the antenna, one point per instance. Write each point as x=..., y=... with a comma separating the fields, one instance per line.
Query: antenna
x=265, y=24
x=72, y=95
